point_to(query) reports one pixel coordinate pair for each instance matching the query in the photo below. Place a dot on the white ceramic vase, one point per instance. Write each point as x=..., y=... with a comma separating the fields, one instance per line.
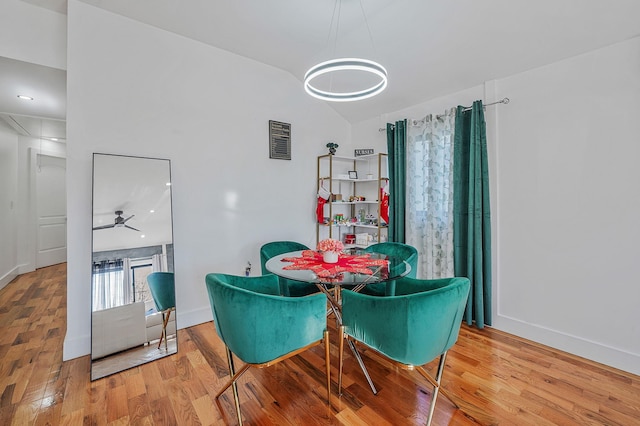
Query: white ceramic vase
x=330, y=256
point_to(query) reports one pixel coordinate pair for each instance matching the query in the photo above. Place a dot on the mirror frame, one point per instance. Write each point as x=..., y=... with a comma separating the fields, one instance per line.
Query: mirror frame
x=141, y=350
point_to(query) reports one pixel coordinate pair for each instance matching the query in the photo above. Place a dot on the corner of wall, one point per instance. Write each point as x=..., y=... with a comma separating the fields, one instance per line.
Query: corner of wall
x=8, y=277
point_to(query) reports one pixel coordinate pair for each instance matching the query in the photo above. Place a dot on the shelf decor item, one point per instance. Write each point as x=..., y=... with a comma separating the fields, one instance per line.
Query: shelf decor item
x=332, y=147
x=330, y=249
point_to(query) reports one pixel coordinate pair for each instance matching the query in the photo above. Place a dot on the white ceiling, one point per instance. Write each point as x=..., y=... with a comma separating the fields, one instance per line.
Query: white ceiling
x=44, y=116
x=429, y=47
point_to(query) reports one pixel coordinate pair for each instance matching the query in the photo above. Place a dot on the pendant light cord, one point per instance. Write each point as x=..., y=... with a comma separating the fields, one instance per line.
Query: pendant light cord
x=366, y=21
x=333, y=18
x=337, y=8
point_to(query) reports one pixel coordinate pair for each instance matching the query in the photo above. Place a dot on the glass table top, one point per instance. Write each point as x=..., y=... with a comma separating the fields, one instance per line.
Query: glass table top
x=356, y=268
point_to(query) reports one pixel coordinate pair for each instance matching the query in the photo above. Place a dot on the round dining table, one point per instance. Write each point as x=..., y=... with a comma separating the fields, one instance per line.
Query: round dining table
x=354, y=270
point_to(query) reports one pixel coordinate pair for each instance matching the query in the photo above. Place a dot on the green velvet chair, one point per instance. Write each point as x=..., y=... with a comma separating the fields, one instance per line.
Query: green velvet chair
x=163, y=291
x=261, y=328
x=287, y=287
x=421, y=322
x=399, y=250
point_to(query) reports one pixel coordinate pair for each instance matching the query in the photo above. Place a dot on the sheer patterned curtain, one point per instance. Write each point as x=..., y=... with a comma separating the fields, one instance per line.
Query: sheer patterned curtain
x=159, y=263
x=111, y=284
x=430, y=194
x=127, y=284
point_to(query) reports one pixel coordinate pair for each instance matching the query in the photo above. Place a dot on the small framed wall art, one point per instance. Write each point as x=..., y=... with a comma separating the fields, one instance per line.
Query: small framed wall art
x=279, y=140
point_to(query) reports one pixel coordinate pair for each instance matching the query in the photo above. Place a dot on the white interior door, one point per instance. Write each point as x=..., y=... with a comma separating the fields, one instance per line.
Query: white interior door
x=51, y=208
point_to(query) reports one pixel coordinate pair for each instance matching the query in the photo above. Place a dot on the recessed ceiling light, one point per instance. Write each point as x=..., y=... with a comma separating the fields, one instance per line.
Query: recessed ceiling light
x=152, y=211
x=168, y=183
x=25, y=97
x=142, y=236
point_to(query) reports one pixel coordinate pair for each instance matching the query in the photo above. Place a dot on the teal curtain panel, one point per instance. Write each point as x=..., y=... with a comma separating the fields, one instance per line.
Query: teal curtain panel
x=472, y=216
x=396, y=141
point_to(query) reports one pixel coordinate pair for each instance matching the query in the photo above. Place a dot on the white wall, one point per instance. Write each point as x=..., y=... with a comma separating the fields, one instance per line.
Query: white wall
x=565, y=197
x=137, y=90
x=568, y=201
x=8, y=204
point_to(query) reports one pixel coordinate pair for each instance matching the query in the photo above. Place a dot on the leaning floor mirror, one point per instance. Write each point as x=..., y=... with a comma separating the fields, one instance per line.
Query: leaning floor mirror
x=133, y=317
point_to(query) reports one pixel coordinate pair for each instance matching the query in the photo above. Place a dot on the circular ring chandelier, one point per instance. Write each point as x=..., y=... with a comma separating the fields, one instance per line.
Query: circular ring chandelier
x=345, y=64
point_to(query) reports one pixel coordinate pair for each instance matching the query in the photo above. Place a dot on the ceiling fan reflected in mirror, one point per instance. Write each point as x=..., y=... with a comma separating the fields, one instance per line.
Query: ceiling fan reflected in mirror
x=119, y=222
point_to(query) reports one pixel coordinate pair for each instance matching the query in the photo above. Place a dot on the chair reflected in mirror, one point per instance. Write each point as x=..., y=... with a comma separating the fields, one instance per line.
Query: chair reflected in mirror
x=162, y=287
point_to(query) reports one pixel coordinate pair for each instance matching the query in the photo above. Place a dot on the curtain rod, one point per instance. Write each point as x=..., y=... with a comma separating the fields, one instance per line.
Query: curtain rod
x=503, y=101
x=415, y=122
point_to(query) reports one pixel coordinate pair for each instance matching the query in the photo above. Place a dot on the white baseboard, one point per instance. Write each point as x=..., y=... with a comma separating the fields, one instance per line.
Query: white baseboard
x=8, y=277
x=77, y=347
x=574, y=345
x=193, y=317
x=25, y=268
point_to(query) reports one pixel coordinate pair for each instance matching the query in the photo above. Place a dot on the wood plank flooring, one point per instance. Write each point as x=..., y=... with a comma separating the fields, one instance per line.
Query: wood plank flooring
x=496, y=378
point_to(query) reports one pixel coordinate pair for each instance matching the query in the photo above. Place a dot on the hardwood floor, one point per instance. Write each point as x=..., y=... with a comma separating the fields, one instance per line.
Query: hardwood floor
x=496, y=378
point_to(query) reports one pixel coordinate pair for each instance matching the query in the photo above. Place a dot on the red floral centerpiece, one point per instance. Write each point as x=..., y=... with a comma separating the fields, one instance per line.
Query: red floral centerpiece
x=330, y=249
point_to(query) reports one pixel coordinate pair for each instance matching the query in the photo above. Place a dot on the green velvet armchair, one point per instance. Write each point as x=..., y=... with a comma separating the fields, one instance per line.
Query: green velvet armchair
x=401, y=251
x=287, y=287
x=163, y=291
x=260, y=327
x=421, y=322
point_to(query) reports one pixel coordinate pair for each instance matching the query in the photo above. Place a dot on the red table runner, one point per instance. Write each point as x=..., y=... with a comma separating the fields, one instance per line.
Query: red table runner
x=313, y=261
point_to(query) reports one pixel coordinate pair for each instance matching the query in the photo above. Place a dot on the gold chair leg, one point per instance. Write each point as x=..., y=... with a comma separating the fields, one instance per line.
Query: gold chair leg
x=340, y=357
x=233, y=380
x=436, y=387
x=431, y=380
x=162, y=333
x=327, y=362
x=165, y=321
x=232, y=383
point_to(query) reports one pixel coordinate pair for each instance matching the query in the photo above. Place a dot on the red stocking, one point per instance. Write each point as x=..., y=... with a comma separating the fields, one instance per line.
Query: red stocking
x=319, y=209
x=384, y=205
